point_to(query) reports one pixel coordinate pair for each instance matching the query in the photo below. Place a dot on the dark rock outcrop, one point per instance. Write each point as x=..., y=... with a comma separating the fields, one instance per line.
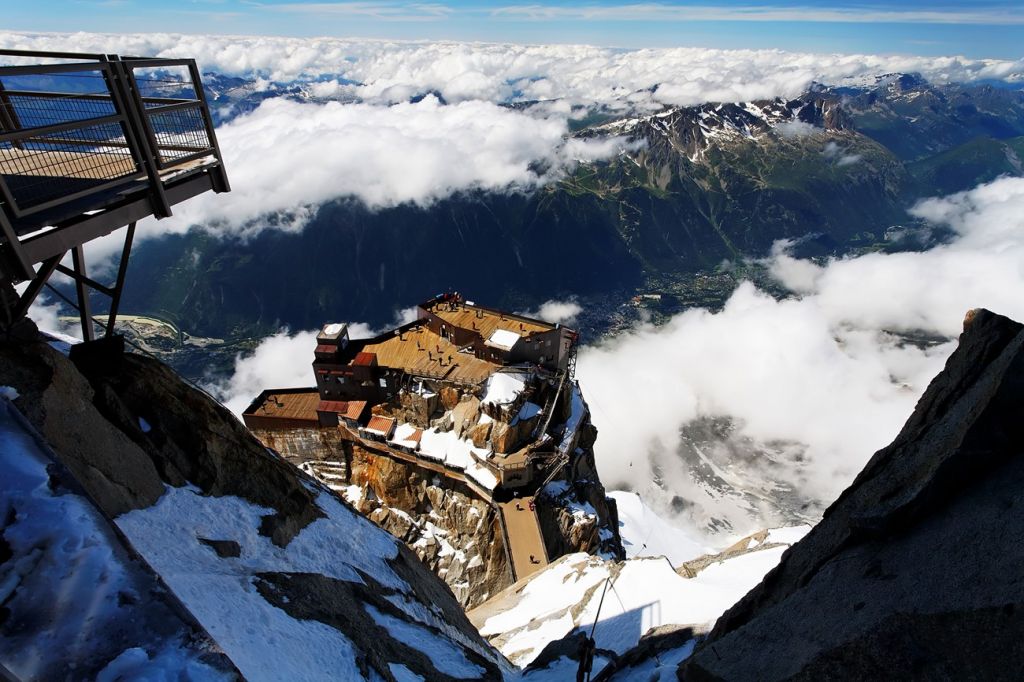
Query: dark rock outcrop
x=184, y=485
x=192, y=438
x=915, y=571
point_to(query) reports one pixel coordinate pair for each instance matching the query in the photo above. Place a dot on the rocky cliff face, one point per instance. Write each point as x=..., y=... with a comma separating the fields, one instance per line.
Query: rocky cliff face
x=452, y=528
x=914, y=572
x=452, y=531
x=287, y=580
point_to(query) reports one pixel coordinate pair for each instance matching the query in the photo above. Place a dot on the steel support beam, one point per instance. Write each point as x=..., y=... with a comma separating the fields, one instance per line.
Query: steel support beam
x=87, y=281
x=122, y=270
x=82, y=290
x=34, y=287
x=89, y=227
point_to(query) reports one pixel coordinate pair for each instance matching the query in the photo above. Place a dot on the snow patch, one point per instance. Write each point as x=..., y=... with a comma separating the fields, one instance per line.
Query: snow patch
x=504, y=387
x=221, y=592
x=645, y=534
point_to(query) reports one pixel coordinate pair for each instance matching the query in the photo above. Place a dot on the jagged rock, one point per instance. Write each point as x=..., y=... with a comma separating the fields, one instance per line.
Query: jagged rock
x=76, y=600
x=342, y=604
x=480, y=434
x=58, y=401
x=417, y=409
x=465, y=415
x=450, y=397
x=755, y=542
x=454, y=533
x=914, y=572
x=506, y=438
x=193, y=438
x=654, y=642
x=579, y=516
x=391, y=481
x=225, y=549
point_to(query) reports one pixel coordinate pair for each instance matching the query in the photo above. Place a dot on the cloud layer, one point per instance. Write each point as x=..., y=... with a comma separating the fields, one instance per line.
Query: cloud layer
x=287, y=157
x=819, y=379
x=361, y=137
x=389, y=71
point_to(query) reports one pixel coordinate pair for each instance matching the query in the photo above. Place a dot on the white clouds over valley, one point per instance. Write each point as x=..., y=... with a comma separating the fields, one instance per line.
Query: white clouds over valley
x=370, y=143
x=391, y=71
x=815, y=383
x=286, y=158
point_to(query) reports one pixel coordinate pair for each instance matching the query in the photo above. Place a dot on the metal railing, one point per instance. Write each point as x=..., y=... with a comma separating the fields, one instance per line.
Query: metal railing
x=94, y=125
x=90, y=144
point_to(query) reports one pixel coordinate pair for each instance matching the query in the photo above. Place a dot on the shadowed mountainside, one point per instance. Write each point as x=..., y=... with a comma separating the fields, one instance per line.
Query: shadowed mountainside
x=914, y=572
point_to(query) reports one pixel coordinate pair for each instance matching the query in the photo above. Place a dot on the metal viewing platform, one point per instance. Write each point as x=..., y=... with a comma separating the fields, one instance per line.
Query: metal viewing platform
x=90, y=144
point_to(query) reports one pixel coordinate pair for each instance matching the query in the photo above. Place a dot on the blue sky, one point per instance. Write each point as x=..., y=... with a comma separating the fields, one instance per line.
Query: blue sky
x=988, y=28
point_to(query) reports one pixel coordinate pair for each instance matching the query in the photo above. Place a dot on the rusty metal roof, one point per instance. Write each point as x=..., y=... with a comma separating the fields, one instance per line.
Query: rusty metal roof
x=350, y=409
x=289, y=405
x=382, y=425
x=365, y=359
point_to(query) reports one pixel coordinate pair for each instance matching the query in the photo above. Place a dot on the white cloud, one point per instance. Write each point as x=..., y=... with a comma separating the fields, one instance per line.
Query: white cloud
x=283, y=360
x=388, y=71
x=556, y=312
x=796, y=128
x=818, y=377
x=286, y=158
x=46, y=313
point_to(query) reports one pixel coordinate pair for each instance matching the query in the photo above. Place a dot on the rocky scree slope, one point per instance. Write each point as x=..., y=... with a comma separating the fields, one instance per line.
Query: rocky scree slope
x=289, y=581
x=914, y=572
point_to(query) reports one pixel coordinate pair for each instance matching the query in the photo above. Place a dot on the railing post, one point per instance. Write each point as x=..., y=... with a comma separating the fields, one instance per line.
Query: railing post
x=8, y=116
x=220, y=178
x=122, y=88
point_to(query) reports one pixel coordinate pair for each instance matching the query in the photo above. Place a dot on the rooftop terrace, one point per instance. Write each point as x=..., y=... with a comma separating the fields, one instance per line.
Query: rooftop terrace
x=421, y=352
x=484, y=320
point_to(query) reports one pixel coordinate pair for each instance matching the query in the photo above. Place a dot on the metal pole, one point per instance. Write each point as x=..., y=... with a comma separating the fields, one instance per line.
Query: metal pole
x=220, y=177
x=84, y=309
x=35, y=286
x=126, y=98
x=8, y=115
x=122, y=270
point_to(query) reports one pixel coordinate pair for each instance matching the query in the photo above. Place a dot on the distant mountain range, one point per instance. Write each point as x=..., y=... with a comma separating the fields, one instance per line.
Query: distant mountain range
x=834, y=170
